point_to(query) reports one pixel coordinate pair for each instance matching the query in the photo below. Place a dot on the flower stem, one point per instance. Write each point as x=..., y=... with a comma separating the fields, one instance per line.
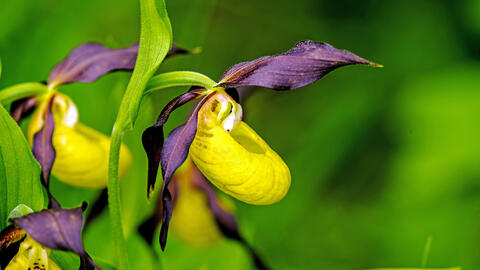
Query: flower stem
x=114, y=202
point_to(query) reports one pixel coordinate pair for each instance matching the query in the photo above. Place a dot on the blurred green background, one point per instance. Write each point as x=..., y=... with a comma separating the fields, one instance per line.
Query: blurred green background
x=381, y=159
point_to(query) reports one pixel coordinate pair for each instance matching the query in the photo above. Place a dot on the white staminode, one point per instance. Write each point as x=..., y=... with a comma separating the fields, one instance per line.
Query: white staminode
x=70, y=116
x=235, y=116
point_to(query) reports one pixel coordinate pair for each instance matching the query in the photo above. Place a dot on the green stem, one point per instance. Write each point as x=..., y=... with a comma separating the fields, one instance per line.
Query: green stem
x=178, y=78
x=21, y=90
x=114, y=202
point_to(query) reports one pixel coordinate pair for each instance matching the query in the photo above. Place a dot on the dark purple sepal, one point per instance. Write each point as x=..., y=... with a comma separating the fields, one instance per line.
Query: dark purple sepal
x=233, y=92
x=305, y=63
x=173, y=154
x=57, y=228
x=43, y=149
x=22, y=108
x=175, y=50
x=148, y=227
x=90, y=61
x=152, y=137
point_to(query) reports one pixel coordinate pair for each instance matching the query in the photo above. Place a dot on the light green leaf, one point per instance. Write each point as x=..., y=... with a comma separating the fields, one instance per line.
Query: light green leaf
x=155, y=42
x=21, y=90
x=178, y=78
x=19, y=211
x=19, y=171
x=64, y=259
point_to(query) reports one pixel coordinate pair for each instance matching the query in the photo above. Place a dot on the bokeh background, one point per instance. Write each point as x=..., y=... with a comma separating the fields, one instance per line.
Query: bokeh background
x=381, y=159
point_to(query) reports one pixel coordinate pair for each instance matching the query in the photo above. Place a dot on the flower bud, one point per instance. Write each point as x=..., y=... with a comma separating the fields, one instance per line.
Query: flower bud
x=192, y=220
x=81, y=152
x=237, y=161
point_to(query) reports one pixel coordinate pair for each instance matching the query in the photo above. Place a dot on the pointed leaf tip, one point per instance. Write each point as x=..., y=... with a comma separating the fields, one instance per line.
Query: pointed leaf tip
x=304, y=64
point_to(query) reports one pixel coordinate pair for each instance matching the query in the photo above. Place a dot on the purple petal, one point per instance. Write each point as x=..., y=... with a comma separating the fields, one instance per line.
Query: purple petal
x=174, y=153
x=152, y=137
x=22, y=108
x=57, y=228
x=305, y=63
x=90, y=61
x=149, y=226
x=43, y=150
x=175, y=50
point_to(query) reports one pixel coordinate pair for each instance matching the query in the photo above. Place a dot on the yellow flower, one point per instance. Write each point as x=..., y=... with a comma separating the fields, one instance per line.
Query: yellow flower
x=235, y=158
x=81, y=152
x=192, y=221
x=32, y=255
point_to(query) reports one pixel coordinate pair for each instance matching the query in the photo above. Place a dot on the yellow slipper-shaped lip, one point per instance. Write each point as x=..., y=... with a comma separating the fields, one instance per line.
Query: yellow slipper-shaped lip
x=239, y=162
x=81, y=152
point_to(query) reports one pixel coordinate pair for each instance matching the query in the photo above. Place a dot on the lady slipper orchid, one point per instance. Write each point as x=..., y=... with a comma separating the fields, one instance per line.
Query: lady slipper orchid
x=73, y=152
x=234, y=157
x=32, y=255
x=226, y=150
x=192, y=220
x=201, y=218
x=55, y=228
x=81, y=152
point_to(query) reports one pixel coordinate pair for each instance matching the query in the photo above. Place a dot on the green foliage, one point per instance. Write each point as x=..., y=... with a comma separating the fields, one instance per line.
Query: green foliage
x=380, y=160
x=155, y=42
x=19, y=171
x=21, y=90
x=178, y=78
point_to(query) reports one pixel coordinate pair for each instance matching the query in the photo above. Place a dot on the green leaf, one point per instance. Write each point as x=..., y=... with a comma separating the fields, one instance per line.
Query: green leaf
x=155, y=42
x=178, y=78
x=19, y=211
x=19, y=171
x=21, y=90
x=64, y=259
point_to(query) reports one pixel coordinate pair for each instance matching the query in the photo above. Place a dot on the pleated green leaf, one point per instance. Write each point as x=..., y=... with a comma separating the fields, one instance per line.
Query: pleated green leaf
x=19, y=171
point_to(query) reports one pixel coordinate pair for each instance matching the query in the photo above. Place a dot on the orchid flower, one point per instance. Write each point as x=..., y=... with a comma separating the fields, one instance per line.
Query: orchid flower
x=73, y=152
x=201, y=218
x=230, y=154
x=40, y=232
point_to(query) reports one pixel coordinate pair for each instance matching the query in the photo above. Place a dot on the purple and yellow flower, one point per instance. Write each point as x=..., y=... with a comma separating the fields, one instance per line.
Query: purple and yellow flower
x=229, y=153
x=39, y=233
